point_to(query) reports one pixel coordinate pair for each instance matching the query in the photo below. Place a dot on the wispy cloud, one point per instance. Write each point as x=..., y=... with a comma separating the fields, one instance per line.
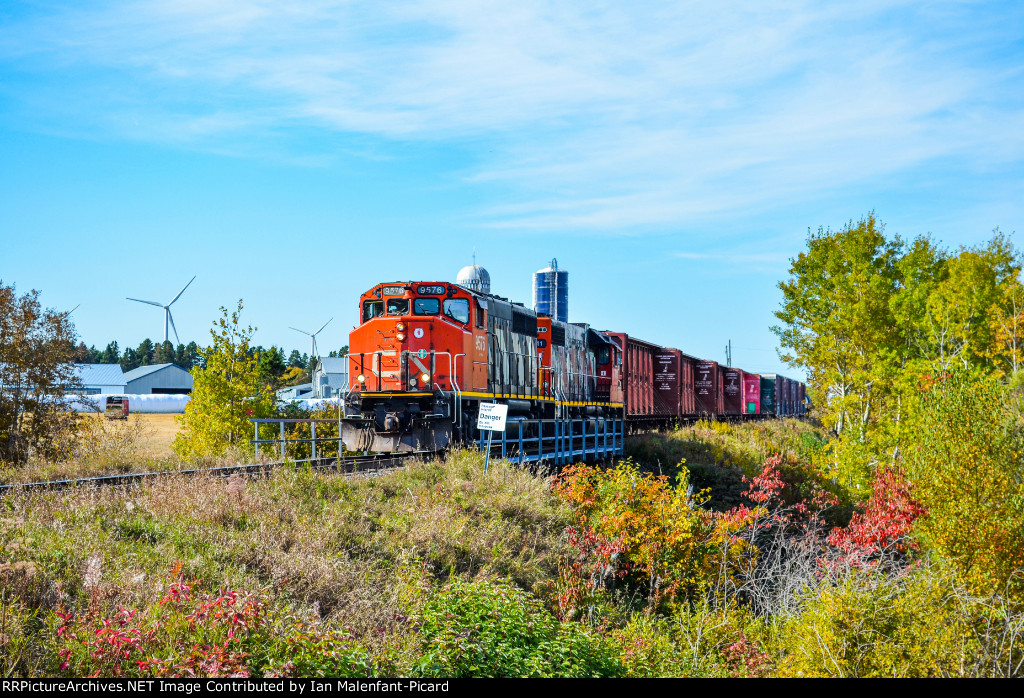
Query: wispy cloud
x=607, y=117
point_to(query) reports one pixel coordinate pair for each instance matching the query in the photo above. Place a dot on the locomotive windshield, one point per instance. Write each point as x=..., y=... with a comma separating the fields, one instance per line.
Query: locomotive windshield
x=457, y=308
x=426, y=306
x=604, y=355
x=398, y=306
x=372, y=309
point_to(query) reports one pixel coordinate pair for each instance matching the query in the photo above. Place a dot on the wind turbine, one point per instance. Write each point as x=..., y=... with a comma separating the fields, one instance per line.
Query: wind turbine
x=167, y=311
x=313, y=335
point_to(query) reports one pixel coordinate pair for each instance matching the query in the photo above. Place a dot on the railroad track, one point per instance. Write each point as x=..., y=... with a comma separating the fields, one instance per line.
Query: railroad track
x=356, y=465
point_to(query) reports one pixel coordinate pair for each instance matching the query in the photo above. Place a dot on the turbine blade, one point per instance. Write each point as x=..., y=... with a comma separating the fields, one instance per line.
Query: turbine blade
x=171, y=318
x=182, y=291
x=298, y=330
x=322, y=327
x=139, y=300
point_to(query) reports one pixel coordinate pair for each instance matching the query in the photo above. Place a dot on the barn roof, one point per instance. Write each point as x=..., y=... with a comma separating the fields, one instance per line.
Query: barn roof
x=141, y=371
x=100, y=374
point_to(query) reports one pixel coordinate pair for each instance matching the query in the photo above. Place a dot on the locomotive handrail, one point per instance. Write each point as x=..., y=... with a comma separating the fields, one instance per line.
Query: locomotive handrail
x=458, y=390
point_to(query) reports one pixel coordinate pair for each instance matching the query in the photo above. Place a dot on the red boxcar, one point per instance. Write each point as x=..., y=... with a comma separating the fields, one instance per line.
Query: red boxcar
x=751, y=393
x=782, y=406
x=707, y=388
x=687, y=396
x=637, y=375
x=732, y=379
x=667, y=382
x=801, y=395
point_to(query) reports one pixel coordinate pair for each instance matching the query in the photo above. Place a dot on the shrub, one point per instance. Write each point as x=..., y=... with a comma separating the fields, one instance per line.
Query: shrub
x=491, y=629
x=189, y=633
x=967, y=465
x=869, y=624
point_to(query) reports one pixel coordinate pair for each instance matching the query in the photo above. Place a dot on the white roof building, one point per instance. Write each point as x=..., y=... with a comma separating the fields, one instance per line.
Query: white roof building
x=101, y=379
x=330, y=377
x=158, y=379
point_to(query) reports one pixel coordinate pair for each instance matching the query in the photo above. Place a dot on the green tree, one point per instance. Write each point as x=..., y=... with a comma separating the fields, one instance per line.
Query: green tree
x=967, y=465
x=163, y=353
x=129, y=360
x=37, y=378
x=193, y=356
x=112, y=354
x=144, y=352
x=272, y=365
x=837, y=320
x=227, y=392
x=295, y=360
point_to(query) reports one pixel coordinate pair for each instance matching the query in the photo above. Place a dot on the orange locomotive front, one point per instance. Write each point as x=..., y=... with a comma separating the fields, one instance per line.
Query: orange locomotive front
x=417, y=348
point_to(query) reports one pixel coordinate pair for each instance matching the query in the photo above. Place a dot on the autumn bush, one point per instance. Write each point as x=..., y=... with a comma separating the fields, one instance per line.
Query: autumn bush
x=190, y=633
x=967, y=466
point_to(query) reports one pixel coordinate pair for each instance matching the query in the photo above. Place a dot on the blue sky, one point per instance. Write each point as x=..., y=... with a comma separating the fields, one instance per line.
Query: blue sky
x=671, y=155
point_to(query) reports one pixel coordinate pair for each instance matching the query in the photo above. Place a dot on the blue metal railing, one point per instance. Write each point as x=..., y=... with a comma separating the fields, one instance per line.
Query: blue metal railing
x=559, y=442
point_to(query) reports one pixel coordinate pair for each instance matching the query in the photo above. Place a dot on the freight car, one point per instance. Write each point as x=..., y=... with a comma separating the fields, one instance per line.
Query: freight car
x=426, y=355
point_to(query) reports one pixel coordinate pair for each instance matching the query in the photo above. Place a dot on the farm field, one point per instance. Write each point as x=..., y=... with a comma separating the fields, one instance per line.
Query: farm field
x=156, y=433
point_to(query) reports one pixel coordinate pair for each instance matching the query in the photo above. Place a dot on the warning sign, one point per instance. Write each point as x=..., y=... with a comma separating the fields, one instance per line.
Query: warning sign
x=492, y=417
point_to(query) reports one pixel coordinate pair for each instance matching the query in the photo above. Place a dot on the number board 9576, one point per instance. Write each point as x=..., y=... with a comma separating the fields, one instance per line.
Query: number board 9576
x=393, y=290
x=430, y=290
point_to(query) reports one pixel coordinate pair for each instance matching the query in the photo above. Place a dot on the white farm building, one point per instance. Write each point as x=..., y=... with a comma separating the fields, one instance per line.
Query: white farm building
x=100, y=379
x=330, y=377
x=158, y=379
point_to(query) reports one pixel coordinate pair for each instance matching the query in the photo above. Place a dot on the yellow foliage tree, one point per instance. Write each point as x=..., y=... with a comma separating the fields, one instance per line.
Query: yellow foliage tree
x=227, y=392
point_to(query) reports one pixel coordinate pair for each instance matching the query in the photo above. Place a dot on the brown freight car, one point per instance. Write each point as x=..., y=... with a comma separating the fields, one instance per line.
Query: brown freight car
x=667, y=382
x=707, y=388
x=687, y=395
x=638, y=377
x=732, y=379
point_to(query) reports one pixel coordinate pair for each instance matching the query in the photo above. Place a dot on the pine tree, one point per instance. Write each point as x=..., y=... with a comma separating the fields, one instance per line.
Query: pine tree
x=129, y=360
x=112, y=354
x=144, y=354
x=163, y=353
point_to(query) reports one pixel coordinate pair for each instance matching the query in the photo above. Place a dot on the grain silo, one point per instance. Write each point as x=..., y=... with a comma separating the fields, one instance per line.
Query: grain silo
x=551, y=292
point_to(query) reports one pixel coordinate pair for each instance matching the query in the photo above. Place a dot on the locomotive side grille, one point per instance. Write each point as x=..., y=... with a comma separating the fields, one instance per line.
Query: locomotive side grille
x=557, y=335
x=523, y=323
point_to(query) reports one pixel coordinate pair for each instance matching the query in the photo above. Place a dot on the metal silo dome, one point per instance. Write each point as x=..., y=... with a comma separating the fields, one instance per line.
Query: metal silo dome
x=475, y=278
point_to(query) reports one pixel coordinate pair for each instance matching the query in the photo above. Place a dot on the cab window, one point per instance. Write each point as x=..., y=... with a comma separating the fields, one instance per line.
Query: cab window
x=398, y=306
x=372, y=309
x=426, y=306
x=480, y=316
x=457, y=308
x=604, y=355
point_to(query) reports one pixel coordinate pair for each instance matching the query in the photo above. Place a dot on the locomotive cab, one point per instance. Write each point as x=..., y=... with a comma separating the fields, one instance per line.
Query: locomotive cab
x=407, y=364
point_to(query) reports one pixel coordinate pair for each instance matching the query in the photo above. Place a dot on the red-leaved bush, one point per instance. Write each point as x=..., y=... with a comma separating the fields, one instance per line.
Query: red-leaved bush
x=885, y=524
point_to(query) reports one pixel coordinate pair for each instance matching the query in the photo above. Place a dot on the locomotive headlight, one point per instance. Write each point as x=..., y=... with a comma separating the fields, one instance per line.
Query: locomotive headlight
x=400, y=337
x=412, y=382
x=361, y=378
x=400, y=326
x=425, y=377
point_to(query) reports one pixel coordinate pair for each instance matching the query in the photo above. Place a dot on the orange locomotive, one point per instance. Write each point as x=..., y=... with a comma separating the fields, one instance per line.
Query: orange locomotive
x=426, y=354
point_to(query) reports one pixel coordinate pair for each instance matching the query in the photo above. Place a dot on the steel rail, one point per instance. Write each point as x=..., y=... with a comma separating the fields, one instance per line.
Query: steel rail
x=348, y=466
